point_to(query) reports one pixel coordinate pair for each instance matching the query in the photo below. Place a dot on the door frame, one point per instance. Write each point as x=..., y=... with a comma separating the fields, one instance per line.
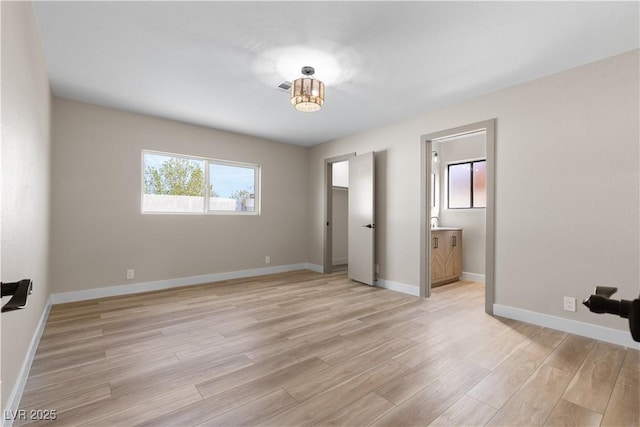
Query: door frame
x=489, y=127
x=327, y=262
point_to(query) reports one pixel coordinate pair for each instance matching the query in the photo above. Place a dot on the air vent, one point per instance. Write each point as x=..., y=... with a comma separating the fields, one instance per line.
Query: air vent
x=284, y=86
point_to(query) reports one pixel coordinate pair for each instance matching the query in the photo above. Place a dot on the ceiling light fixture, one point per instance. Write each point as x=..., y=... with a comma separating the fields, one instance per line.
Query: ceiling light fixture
x=307, y=93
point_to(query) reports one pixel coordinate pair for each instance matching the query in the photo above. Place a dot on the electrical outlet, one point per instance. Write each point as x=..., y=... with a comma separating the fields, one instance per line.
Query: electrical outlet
x=377, y=268
x=267, y=259
x=130, y=274
x=569, y=304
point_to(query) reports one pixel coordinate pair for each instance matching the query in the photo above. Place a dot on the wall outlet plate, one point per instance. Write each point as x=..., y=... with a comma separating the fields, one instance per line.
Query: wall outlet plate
x=267, y=259
x=130, y=274
x=569, y=304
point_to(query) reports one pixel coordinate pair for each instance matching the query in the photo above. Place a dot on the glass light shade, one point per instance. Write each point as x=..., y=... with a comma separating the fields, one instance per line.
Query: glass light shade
x=307, y=94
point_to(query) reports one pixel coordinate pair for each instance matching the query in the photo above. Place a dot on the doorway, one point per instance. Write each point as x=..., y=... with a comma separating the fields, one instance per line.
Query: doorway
x=340, y=216
x=335, y=255
x=360, y=212
x=434, y=177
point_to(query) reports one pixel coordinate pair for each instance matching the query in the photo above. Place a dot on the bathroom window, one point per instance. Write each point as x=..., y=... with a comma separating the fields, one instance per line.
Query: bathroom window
x=467, y=185
x=175, y=183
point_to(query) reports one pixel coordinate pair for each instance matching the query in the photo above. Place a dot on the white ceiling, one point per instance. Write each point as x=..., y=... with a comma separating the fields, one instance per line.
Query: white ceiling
x=217, y=64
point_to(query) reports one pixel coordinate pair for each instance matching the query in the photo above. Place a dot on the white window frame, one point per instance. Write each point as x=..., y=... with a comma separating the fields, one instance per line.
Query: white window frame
x=207, y=162
x=256, y=185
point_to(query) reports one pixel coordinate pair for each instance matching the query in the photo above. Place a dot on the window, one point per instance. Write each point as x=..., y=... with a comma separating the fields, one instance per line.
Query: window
x=232, y=187
x=467, y=185
x=174, y=183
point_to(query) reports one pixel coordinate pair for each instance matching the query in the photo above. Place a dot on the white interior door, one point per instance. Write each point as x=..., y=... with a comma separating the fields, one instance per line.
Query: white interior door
x=361, y=218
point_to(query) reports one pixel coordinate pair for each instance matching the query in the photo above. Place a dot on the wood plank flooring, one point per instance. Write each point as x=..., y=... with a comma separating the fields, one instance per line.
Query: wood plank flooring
x=303, y=349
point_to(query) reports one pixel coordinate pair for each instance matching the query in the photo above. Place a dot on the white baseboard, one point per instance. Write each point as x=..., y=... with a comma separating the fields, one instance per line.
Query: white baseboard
x=398, y=287
x=157, y=285
x=589, y=330
x=16, y=394
x=314, y=267
x=474, y=277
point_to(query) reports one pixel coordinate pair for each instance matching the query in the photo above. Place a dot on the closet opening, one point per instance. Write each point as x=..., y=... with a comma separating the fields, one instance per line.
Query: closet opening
x=336, y=217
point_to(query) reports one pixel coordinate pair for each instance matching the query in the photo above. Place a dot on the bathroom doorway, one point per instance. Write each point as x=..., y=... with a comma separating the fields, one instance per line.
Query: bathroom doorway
x=458, y=205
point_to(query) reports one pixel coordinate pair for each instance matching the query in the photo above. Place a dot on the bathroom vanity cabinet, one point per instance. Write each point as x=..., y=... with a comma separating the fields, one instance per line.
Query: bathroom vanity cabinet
x=446, y=255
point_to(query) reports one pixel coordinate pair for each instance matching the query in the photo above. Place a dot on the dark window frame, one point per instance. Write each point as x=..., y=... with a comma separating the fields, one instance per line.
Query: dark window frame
x=471, y=163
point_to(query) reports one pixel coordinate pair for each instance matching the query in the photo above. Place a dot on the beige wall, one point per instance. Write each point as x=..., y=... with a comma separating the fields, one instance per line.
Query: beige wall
x=26, y=100
x=98, y=231
x=567, y=174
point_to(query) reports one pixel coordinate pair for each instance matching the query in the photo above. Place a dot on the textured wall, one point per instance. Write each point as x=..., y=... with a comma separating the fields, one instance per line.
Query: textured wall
x=26, y=102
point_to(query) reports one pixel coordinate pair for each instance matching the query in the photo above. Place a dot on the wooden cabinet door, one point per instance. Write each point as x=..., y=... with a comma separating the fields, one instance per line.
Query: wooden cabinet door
x=454, y=239
x=448, y=242
x=438, y=256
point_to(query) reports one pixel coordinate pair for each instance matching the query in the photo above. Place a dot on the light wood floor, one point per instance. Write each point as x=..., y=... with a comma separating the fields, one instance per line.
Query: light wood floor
x=304, y=348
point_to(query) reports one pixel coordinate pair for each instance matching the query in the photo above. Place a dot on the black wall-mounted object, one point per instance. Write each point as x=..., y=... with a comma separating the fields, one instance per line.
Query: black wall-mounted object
x=601, y=302
x=19, y=290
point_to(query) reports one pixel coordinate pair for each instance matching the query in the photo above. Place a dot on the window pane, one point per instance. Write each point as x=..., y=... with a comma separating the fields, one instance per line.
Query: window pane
x=460, y=186
x=232, y=188
x=480, y=184
x=172, y=184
